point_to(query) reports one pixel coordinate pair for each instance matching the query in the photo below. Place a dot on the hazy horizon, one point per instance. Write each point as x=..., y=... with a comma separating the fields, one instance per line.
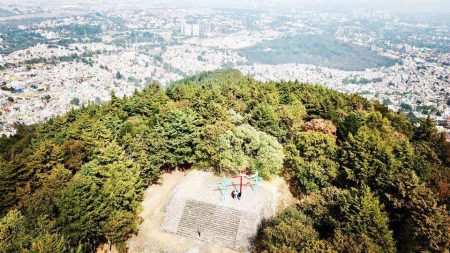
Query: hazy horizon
x=440, y=6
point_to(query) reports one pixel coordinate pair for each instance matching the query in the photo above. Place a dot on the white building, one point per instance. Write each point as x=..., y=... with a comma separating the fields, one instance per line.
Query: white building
x=196, y=30
x=2, y=62
x=186, y=29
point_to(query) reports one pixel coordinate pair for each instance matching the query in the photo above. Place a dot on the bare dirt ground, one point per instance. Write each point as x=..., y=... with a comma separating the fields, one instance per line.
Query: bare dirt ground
x=284, y=197
x=151, y=239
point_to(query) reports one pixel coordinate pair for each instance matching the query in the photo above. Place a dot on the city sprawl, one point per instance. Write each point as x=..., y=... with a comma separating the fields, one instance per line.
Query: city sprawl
x=55, y=63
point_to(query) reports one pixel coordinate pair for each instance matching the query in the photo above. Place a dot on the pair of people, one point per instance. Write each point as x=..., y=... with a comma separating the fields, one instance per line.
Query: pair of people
x=236, y=194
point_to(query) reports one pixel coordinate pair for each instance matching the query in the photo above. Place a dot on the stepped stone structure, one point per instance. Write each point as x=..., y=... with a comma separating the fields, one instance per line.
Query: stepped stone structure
x=212, y=223
x=197, y=210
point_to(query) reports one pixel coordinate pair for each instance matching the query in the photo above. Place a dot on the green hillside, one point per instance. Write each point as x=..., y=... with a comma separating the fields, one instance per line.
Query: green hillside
x=319, y=50
x=368, y=179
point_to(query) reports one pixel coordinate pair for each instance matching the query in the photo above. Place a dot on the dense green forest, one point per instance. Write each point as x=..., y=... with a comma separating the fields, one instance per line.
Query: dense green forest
x=320, y=50
x=368, y=180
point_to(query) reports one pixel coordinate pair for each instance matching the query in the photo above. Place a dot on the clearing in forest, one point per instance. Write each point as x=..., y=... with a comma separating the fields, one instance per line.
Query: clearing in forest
x=187, y=213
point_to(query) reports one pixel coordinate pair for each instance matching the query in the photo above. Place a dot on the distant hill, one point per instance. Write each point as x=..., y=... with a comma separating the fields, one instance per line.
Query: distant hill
x=320, y=50
x=368, y=178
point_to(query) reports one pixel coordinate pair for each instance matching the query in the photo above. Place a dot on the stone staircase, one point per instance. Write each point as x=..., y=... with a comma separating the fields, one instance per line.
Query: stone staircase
x=216, y=224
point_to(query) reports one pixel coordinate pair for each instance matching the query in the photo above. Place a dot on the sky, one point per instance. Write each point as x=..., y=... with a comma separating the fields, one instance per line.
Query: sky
x=442, y=6
x=394, y=5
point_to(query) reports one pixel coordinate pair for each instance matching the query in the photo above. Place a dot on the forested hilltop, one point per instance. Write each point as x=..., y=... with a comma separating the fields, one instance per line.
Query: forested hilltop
x=368, y=179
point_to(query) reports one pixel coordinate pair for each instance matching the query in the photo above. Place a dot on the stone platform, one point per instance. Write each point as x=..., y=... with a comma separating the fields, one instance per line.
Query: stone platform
x=197, y=210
